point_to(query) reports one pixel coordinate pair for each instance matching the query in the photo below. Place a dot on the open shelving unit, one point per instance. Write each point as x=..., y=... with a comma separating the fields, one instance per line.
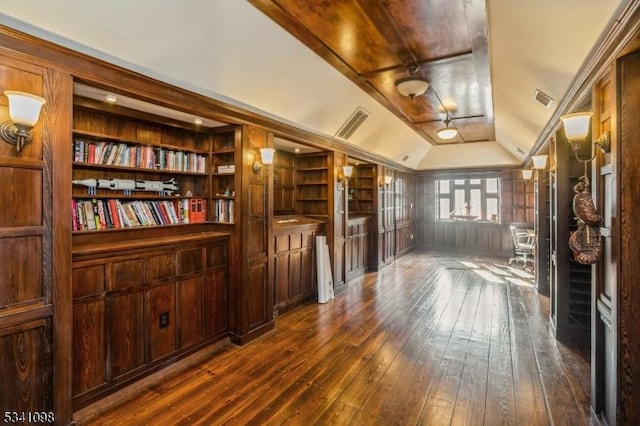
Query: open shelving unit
x=311, y=185
x=362, y=189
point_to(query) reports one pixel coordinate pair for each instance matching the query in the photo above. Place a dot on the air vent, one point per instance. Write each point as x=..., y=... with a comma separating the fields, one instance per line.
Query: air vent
x=352, y=124
x=543, y=98
x=521, y=151
x=405, y=158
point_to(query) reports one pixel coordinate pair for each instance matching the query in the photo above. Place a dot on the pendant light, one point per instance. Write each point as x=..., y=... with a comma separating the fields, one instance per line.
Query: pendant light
x=447, y=132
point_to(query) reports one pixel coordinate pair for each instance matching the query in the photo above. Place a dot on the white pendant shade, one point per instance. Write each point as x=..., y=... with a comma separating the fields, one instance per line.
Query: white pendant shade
x=347, y=170
x=24, y=108
x=527, y=174
x=447, y=133
x=576, y=126
x=539, y=162
x=412, y=86
x=266, y=155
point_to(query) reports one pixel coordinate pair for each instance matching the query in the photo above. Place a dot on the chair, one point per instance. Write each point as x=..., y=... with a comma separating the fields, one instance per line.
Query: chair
x=523, y=245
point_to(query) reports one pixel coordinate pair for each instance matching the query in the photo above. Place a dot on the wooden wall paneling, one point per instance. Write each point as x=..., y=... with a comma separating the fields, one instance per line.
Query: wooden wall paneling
x=627, y=160
x=283, y=183
x=294, y=266
x=387, y=233
x=486, y=238
x=604, y=296
x=337, y=220
x=405, y=221
x=256, y=282
x=27, y=247
x=541, y=226
x=357, y=246
x=26, y=348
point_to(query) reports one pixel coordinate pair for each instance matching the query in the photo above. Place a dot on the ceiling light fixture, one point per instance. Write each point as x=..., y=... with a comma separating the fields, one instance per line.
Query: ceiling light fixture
x=447, y=132
x=412, y=86
x=415, y=85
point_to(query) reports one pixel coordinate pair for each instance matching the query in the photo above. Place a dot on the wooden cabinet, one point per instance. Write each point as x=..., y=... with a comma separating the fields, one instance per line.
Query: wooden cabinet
x=295, y=275
x=138, y=304
x=357, y=244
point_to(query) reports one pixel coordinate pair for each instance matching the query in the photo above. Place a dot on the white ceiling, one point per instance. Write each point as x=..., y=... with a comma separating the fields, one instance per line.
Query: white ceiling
x=228, y=50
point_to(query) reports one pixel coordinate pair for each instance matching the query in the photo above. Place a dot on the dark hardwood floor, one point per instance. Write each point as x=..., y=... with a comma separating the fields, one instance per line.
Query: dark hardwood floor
x=427, y=341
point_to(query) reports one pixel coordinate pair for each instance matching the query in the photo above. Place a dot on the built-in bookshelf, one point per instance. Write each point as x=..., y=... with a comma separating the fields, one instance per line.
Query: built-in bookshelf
x=223, y=173
x=132, y=173
x=311, y=187
x=362, y=187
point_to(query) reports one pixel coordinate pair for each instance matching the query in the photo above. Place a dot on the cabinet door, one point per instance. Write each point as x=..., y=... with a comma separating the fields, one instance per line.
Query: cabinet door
x=215, y=306
x=125, y=320
x=191, y=330
x=162, y=320
x=88, y=346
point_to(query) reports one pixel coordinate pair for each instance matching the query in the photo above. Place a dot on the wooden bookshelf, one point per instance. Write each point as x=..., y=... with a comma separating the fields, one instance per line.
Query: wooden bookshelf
x=150, y=268
x=312, y=185
x=129, y=173
x=224, y=176
x=362, y=189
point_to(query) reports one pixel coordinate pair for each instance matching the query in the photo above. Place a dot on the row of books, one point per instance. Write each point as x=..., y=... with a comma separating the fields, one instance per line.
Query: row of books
x=95, y=214
x=145, y=157
x=223, y=211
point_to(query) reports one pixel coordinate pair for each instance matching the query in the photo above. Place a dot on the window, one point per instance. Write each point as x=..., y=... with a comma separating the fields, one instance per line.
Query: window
x=468, y=199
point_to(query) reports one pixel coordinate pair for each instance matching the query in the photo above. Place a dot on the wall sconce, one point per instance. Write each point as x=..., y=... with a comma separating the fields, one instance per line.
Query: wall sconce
x=347, y=172
x=539, y=161
x=24, y=111
x=385, y=181
x=527, y=174
x=266, y=156
x=576, y=128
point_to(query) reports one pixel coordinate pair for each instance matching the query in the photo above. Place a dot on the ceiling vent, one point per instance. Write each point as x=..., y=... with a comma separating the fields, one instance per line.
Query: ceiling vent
x=521, y=151
x=543, y=98
x=352, y=124
x=405, y=158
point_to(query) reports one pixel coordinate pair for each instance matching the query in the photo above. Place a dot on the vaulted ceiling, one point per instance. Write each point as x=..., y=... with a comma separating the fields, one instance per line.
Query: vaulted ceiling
x=313, y=63
x=377, y=43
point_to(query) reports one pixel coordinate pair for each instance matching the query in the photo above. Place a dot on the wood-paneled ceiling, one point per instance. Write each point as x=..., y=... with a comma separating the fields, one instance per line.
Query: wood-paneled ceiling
x=376, y=42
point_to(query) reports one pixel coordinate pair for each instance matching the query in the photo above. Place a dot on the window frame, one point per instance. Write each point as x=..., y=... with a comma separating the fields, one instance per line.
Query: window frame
x=467, y=186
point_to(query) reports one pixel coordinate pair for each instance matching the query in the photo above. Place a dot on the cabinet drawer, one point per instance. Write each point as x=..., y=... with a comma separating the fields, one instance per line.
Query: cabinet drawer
x=189, y=261
x=88, y=280
x=216, y=255
x=161, y=266
x=126, y=274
